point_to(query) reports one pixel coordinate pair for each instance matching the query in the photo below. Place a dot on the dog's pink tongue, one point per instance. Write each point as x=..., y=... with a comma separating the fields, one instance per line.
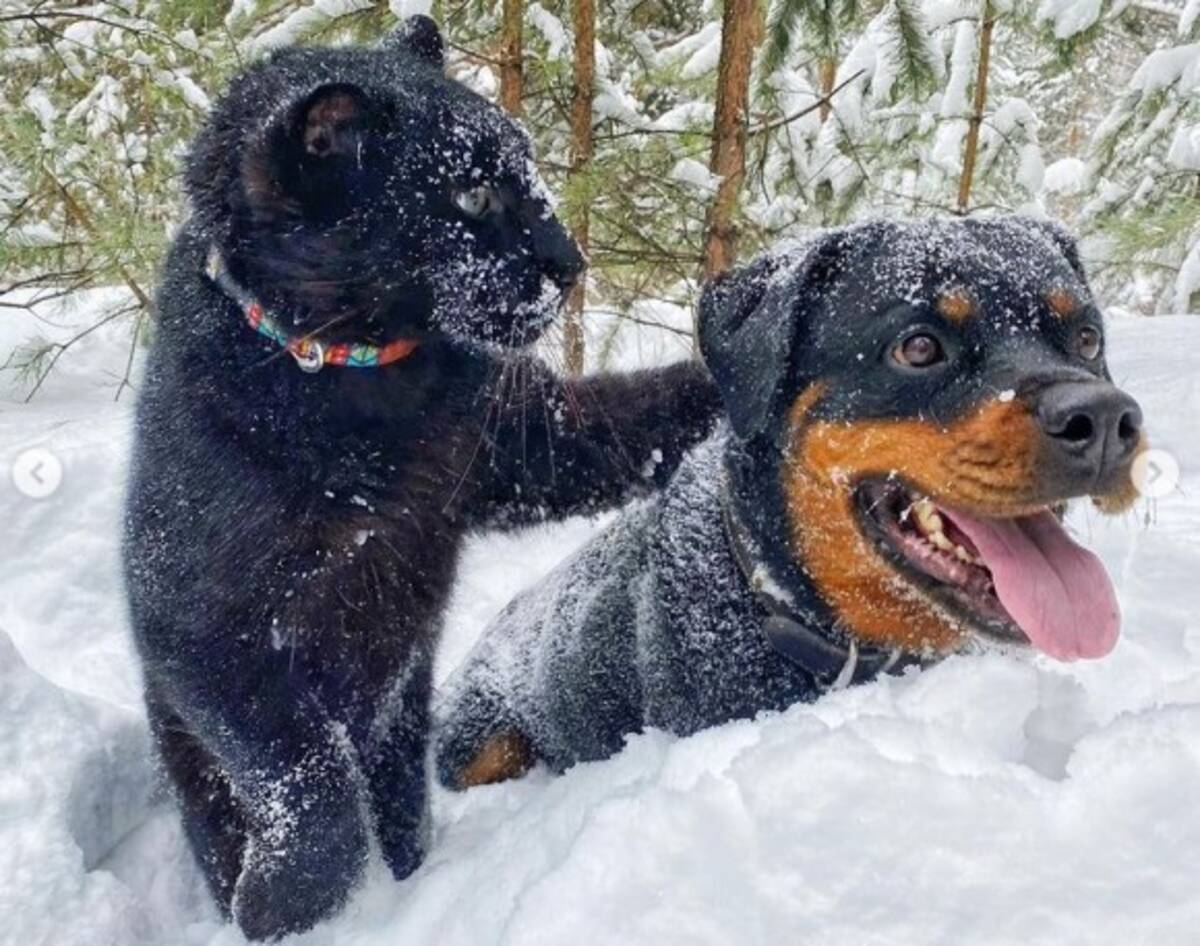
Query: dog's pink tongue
x=1057, y=592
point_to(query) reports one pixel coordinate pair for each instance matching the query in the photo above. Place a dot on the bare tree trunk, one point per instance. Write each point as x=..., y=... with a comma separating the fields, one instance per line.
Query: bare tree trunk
x=584, y=14
x=971, y=146
x=740, y=29
x=512, y=76
x=827, y=75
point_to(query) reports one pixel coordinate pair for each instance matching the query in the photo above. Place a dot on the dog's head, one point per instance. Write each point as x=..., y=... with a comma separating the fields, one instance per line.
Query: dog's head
x=364, y=194
x=921, y=398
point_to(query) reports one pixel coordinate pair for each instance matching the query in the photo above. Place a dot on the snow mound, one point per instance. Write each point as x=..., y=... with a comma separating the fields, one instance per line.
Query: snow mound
x=996, y=799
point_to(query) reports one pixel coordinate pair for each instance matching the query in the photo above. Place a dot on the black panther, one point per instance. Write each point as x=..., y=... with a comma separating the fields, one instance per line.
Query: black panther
x=336, y=395
x=908, y=406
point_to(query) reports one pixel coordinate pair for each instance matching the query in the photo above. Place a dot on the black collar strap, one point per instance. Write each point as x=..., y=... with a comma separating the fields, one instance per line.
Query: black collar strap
x=832, y=663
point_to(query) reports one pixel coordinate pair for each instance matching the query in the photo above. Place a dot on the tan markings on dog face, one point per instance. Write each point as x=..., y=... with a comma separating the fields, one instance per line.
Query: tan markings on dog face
x=955, y=305
x=506, y=755
x=1062, y=303
x=985, y=462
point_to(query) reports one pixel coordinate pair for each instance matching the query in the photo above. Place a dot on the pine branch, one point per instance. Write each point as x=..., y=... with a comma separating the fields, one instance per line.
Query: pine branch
x=912, y=50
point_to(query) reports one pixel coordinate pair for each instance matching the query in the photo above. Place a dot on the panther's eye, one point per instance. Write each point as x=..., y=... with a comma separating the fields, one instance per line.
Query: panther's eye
x=919, y=350
x=476, y=202
x=1089, y=343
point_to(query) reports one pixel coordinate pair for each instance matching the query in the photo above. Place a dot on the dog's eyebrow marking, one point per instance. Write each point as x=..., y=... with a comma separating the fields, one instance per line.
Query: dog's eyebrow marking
x=1062, y=302
x=955, y=304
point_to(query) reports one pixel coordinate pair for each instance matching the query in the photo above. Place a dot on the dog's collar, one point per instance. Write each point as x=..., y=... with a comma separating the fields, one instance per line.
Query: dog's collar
x=310, y=355
x=832, y=663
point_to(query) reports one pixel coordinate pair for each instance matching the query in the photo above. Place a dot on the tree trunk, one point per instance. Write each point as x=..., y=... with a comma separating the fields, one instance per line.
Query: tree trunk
x=971, y=146
x=584, y=14
x=512, y=76
x=827, y=76
x=740, y=29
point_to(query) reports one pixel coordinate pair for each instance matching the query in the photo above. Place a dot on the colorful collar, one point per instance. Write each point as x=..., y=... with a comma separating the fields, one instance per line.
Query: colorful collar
x=310, y=355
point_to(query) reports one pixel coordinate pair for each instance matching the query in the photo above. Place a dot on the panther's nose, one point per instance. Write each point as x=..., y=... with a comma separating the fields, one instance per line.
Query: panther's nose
x=555, y=249
x=561, y=260
x=1093, y=426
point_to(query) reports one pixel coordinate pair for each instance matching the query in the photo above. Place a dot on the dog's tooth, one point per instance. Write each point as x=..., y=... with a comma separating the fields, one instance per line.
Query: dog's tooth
x=939, y=539
x=927, y=517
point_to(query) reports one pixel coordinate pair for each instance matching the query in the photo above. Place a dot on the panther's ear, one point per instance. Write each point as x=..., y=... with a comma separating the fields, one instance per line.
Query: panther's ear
x=419, y=36
x=307, y=150
x=333, y=120
x=745, y=343
x=750, y=319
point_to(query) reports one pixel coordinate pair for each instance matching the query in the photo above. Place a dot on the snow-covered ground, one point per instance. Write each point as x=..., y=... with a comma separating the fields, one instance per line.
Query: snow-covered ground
x=996, y=799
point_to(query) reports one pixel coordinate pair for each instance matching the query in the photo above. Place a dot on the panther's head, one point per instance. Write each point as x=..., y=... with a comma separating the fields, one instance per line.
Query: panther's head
x=362, y=195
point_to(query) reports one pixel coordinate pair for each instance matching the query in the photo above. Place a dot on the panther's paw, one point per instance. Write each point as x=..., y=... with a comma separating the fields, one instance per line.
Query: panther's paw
x=289, y=885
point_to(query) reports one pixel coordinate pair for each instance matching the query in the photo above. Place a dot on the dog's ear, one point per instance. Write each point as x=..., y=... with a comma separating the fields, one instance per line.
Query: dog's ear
x=749, y=322
x=305, y=159
x=1058, y=235
x=418, y=36
x=744, y=347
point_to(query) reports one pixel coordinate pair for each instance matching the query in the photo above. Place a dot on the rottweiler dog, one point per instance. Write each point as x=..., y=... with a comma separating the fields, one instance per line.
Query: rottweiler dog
x=909, y=406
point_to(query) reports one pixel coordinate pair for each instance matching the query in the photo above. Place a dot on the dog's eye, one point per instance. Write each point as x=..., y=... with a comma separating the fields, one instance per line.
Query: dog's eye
x=1089, y=343
x=475, y=202
x=919, y=351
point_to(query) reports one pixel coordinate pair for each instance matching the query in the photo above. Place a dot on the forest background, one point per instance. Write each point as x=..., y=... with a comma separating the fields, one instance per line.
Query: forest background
x=680, y=136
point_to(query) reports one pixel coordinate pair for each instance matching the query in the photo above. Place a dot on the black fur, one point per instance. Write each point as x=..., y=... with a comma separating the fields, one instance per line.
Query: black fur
x=655, y=623
x=291, y=537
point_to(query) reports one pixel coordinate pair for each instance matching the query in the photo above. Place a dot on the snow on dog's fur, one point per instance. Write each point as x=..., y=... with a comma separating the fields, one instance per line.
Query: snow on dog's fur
x=908, y=404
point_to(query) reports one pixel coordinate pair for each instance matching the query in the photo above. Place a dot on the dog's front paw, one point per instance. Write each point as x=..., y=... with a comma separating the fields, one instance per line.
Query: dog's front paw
x=290, y=884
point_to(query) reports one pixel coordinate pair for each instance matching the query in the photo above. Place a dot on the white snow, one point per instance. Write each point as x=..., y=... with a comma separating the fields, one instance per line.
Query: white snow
x=691, y=46
x=1069, y=16
x=696, y=174
x=303, y=20
x=991, y=799
x=704, y=60
x=551, y=28
x=1184, y=152
x=103, y=107
x=1187, y=19
x=1165, y=67
x=1066, y=176
x=195, y=96
x=403, y=9
x=1187, y=282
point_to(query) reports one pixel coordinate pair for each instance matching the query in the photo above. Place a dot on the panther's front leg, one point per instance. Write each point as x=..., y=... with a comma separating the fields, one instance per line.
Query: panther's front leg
x=562, y=447
x=393, y=760
x=295, y=783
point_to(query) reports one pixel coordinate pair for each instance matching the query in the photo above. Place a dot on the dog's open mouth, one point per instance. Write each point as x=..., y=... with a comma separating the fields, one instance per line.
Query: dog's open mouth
x=1019, y=579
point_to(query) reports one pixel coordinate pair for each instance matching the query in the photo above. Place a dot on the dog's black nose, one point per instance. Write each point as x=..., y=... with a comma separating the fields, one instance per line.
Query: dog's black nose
x=1093, y=425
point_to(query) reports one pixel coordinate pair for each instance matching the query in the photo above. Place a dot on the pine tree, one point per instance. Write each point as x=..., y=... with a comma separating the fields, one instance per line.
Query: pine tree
x=739, y=36
x=583, y=94
x=512, y=56
x=1144, y=170
x=852, y=108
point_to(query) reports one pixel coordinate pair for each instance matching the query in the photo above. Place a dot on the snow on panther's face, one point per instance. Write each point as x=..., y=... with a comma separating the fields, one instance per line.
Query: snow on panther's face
x=362, y=190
